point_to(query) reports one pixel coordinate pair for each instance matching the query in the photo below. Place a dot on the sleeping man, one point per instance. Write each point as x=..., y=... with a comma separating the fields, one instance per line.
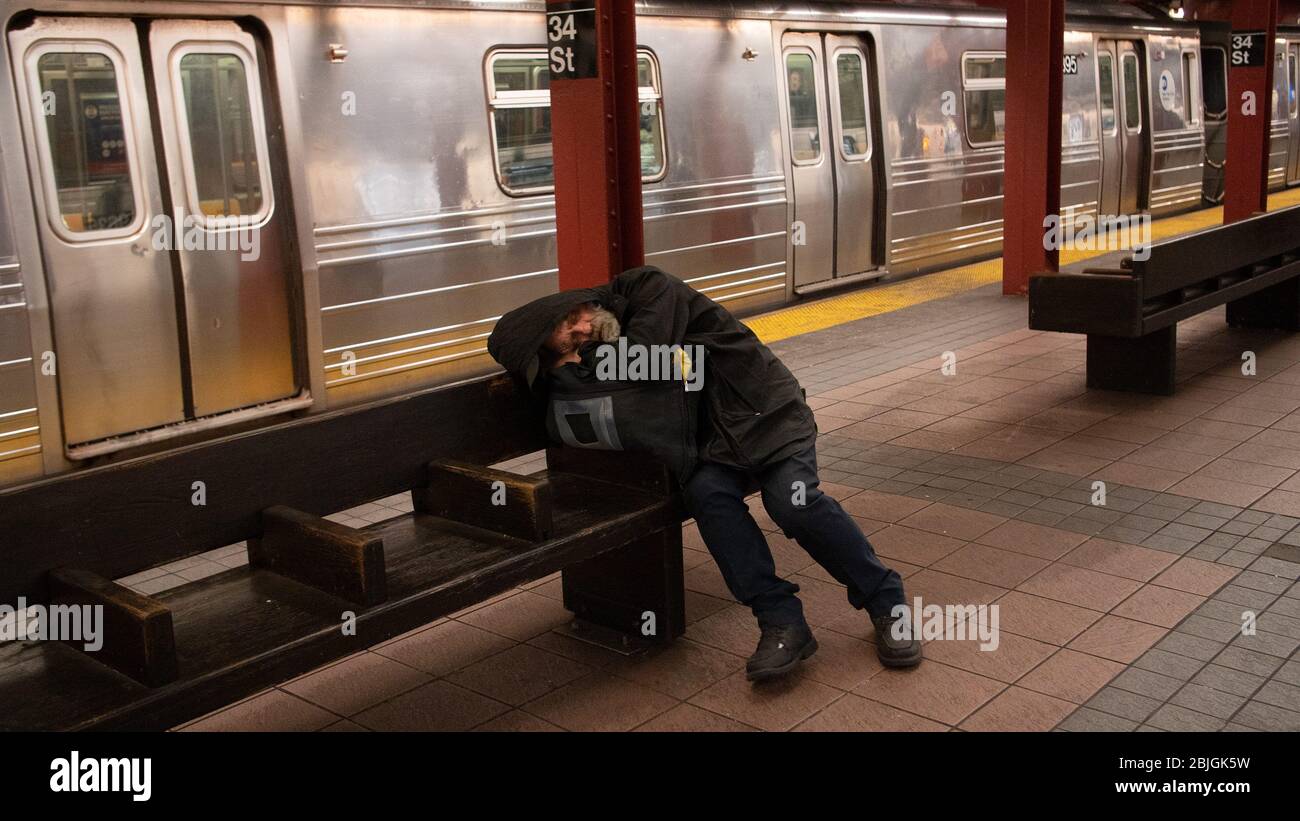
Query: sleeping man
x=750, y=428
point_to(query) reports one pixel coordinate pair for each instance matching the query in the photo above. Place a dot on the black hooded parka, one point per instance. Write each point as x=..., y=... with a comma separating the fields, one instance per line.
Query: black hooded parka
x=755, y=409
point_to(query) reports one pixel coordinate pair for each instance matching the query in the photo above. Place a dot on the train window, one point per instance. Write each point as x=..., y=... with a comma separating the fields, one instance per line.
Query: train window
x=855, y=132
x=87, y=132
x=519, y=94
x=984, y=82
x=1106, y=87
x=222, y=142
x=1279, y=83
x=521, y=121
x=1132, y=102
x=1295, y=79
x=1191, y=90
x=1214, y=85
x=801, y=91
x=651, y=100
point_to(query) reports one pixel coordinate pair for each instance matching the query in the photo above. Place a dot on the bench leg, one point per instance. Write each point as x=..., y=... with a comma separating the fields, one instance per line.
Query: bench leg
x=137, y=637
x=328, y=556
x=1277, y=306
x=1143, y=364
x=637, y=590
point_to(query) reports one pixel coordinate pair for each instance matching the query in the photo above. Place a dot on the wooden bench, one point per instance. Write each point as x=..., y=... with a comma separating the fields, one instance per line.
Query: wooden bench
x=1130, y=314
x=609, y=521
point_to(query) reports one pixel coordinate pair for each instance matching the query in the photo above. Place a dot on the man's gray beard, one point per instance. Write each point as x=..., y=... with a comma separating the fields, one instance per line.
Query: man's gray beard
x=604, y=326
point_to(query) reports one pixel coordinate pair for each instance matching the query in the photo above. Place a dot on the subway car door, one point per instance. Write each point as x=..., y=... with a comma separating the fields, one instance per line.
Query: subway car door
x=1214, y=92
x=851, y=106
x=812, y=234
x=162, y=243
x=92, y=161
x=1279, y=144
x=1133, y=128
x=1293, y=111
x=1112, y=146
x=213, y=120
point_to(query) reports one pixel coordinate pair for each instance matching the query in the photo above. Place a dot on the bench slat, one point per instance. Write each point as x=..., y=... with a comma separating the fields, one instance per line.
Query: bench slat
x=249, y=628
x=119, y=519
x=1186, y=260
x=1242, y=289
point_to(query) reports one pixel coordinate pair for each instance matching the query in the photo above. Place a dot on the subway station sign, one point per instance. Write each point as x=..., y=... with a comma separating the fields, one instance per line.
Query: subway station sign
x=1248, y=48
x=571, y=40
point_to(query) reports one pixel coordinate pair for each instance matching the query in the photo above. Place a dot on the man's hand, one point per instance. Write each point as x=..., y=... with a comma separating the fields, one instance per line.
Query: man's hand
x=572, y=331
x=565, y=358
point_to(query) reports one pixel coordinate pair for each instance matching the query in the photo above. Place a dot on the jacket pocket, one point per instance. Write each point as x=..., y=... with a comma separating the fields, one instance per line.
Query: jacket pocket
x=727, y=399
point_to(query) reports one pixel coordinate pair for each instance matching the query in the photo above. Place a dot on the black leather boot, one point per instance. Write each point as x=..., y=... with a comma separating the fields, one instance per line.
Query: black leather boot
x=779, y=651
x=893, y=651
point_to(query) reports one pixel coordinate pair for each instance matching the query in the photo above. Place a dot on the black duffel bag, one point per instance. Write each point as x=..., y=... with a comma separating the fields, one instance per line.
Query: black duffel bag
x=657, y=417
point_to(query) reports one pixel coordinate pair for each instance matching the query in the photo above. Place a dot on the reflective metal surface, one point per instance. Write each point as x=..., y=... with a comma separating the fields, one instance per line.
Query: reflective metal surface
x=830, y=127
x=420, y=249
x=113, y=303
x=1279, y=146
x=240, y=346
x=852, y=90
x=944, y=193
x=19, y=429
x=1177, y=142
x=1293, y=104
x=812, y=161
x=1134, y=126
x=392, y=247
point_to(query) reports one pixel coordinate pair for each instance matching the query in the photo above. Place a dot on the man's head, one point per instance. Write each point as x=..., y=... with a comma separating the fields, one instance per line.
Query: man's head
x=796, y=82
x=586, y=322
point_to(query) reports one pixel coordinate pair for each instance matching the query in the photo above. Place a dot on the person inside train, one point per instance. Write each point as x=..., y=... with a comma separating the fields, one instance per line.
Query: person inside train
x=755, y=431
x=803, y=105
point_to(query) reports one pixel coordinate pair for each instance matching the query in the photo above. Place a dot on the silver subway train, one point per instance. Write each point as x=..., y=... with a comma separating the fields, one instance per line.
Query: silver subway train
x=214, y=215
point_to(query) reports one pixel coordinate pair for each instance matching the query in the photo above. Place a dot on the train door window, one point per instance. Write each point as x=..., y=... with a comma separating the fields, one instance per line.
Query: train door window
x=984, y=83
x=1214, y=76
x=223, y=136
x=1106, y=89
x=855, y=131
x=1279, y=84
x=651, y=100
x=1132, y=88
x=1191, y=89
x=1294, y=81
x=87, y=130
x=801, y=91
x=519, y=100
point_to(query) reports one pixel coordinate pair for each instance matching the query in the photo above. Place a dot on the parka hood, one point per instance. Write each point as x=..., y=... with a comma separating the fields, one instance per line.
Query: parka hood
x=517, y=339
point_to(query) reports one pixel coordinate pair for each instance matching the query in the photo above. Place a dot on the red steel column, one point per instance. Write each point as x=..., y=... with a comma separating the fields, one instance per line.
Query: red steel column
x=1246, y=169
x=595, y=138
x=1032, y=180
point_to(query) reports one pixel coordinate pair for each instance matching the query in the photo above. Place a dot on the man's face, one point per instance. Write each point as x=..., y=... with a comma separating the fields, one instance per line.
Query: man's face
x=573, y=331
x=796, y=82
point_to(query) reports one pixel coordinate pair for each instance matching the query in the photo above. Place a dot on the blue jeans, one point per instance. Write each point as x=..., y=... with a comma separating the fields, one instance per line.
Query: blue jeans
x=715, y=496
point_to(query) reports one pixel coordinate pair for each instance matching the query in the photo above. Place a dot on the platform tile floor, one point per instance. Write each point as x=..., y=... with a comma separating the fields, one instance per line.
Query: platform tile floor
x=978, y=486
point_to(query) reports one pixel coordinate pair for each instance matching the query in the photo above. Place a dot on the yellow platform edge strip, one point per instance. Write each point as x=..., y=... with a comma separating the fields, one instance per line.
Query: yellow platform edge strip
x=837, y=310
